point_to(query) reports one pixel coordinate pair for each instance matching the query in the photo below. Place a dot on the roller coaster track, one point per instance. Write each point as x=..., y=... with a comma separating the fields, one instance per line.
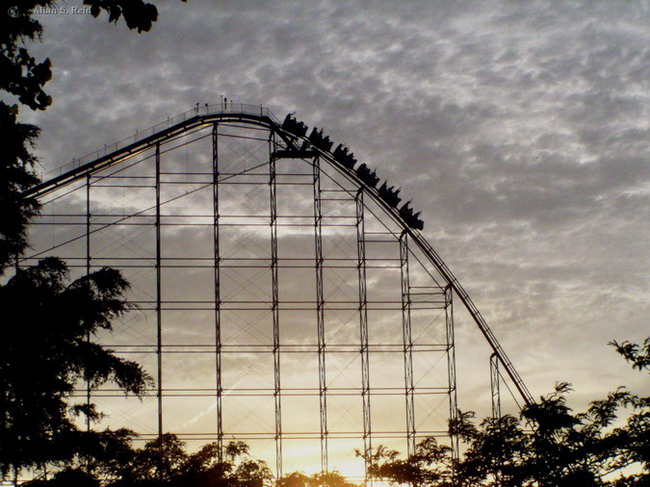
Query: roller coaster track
x=255, y=115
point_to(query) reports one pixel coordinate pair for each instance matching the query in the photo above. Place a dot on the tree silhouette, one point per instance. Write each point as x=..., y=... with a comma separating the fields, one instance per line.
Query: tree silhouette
x=430, y=464
x=636, y=354
x=22, y=79
x=45, y=353
x=562, y=449
x=320, y=479
x=141, y=468
x=45, y=349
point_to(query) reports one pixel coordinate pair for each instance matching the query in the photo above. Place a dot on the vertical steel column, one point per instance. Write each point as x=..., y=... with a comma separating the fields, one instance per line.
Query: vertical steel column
x=451, y=364
x=87, y=458
x=363, y=326
x=158, y=298
x=275, y=310
x=217, y=286
x=495, y=386
x=320, y=316
x=87, y=274
x=88, y=224
x=408, y=343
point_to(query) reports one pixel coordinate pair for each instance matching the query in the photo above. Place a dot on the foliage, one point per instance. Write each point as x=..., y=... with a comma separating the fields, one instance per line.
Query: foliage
x=563, y=449
x=164, y=462
x=137, y=14
x=637, y=355
x=46, y=351
x=548, y=446
x=21, y=78
x=320, y=479
x=46, y=347
x=16, y=175
x=430, y=464
x=71, y=477
x=22, y=81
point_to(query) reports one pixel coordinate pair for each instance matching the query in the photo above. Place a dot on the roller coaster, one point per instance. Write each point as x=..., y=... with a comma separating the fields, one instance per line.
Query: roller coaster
x=281, y=295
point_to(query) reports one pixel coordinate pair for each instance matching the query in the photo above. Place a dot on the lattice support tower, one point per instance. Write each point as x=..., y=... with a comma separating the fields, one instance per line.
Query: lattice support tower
x=245, y=214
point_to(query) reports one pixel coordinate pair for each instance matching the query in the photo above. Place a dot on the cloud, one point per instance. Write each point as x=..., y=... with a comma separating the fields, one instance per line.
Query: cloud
x=520, y=130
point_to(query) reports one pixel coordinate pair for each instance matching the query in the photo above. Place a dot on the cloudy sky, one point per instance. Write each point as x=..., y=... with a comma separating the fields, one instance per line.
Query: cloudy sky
x=520, y=129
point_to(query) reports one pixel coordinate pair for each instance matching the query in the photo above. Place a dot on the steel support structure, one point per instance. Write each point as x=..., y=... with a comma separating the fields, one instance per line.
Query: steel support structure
x=218, y=342
x=320, y=315
x=451, y=365
x=495, y=386
x=159, y=350
x=407, y=339
x=256, y=115
x=275, y=305
x=88, y=258
x=355, y=240
x=363, y=325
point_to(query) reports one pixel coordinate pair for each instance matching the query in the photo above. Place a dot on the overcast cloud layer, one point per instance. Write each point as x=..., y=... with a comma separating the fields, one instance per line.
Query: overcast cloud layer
x=520, y=129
